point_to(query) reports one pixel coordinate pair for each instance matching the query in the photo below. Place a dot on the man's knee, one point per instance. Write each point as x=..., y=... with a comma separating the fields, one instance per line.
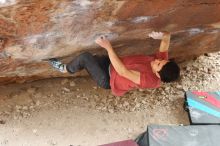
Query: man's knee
x=85, y=55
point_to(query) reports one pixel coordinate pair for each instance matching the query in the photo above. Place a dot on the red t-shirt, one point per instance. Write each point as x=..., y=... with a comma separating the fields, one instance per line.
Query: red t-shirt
x=140, y=63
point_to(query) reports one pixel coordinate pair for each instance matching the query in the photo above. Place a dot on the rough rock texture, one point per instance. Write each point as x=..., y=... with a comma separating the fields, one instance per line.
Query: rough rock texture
x=33, y=31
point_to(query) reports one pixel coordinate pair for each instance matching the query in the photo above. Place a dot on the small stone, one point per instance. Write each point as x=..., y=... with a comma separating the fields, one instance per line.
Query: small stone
x=137, y=105
x=185, y=88
x=63, y=82
x=96, y=97
x=179, y=87
x=31, y=107
x=38, y=103
x=25, y=108
x=103, y=100
x=66, y=89
x=2, y=121
x=72, y=84
x=85, y=98
x=143, y=101
x=25, y=114
x=125, y=103
x=15, y=117
x=111, y=111
x=104, y=109
x=163, y=93
x=120, y=105
x=31, y=90
x=141, y=90
x=35, y=131
x=38, y=95
x=18, y=107
x=98, y=108
x=7, y=113
x=130, y=130
x=133, y=109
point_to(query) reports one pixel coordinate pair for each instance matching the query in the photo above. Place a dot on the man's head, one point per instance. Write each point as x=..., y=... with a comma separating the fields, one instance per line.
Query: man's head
x=167, y=71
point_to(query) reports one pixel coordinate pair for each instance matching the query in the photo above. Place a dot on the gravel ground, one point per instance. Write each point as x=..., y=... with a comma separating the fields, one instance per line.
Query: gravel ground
x=74, y=111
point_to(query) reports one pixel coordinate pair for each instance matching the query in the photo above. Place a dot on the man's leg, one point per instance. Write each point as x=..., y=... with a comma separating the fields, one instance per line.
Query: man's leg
x=104, y=63
x=91, y=64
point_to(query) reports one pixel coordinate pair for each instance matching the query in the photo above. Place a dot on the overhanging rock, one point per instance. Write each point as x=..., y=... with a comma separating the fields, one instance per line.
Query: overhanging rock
x=35, y=30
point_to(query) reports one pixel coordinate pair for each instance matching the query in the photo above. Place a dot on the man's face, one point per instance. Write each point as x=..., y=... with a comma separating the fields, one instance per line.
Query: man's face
x=157, y=65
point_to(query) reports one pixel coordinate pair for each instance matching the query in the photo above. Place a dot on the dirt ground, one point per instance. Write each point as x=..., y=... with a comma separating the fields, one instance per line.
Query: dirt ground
x=74, y=112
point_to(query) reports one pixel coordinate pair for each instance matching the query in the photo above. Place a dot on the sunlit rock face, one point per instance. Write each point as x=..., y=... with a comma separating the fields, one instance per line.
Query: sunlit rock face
x=32, y=31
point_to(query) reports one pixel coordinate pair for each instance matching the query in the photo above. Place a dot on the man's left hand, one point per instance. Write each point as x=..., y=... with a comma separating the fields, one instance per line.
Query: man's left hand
x=103, y=42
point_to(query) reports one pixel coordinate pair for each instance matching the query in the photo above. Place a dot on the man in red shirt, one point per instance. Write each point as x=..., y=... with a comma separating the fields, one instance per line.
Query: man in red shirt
x=122, y=74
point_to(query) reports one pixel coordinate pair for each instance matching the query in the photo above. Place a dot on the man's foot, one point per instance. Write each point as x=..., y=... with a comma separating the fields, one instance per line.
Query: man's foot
x=58, y=65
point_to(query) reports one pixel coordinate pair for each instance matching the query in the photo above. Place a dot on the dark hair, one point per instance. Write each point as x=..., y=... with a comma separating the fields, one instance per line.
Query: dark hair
x=169, y=72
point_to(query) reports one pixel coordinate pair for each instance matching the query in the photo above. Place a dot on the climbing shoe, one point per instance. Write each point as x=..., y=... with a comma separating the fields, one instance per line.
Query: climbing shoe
x=58, y=65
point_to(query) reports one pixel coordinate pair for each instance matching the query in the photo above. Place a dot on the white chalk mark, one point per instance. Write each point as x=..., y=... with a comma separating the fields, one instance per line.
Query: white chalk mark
x=141, y=19
x=44, y=40
x=194, y=31
x=74, y=19
x=84, y=4
x=109, y=23
x=2, y=1
x=5, y=3
x=37, y=46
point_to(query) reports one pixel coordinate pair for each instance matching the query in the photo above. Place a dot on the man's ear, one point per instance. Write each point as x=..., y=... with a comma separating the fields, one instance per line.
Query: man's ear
x=157, y=74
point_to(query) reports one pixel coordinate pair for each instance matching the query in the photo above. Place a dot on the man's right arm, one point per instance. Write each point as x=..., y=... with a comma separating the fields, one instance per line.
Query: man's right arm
x=165, y=42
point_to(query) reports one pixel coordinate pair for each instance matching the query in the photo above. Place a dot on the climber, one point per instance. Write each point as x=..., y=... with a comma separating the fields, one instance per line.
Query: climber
x=122, y=74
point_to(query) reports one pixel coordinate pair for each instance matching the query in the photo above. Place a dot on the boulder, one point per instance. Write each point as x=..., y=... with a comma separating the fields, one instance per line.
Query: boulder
x=33, y=31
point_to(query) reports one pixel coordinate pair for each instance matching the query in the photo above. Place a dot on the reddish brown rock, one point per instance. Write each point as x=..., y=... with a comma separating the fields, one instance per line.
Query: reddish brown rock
x=33, y=31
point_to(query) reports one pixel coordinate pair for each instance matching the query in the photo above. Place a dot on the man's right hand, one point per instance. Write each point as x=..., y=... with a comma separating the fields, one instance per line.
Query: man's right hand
x=156, y=35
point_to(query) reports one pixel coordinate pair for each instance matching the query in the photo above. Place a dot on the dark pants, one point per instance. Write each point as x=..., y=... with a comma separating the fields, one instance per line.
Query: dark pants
x=96, y=66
